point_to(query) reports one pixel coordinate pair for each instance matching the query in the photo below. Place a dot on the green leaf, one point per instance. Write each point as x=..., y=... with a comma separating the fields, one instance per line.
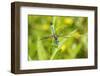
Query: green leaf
x=74, y=50
x=31, y=49
x=42, y=54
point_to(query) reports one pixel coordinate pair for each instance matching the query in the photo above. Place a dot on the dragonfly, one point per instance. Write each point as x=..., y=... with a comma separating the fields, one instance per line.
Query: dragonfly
x=53, y=35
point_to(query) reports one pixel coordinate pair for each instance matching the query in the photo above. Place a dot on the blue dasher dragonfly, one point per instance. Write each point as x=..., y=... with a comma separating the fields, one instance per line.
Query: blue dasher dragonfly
x=53, y=35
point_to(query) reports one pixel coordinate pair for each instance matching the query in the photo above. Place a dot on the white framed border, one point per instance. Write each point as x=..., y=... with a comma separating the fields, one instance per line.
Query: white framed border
x=25, y=64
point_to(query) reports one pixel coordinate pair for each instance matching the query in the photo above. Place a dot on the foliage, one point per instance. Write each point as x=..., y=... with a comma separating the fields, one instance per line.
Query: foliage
x=71, y=31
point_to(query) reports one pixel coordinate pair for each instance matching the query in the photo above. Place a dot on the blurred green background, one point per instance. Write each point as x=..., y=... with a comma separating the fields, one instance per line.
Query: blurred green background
x=73, y=37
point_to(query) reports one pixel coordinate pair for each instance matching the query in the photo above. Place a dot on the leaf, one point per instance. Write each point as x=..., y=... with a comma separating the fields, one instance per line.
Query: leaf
x=42, y=54
x=29, y=58
x=31, y=49
x=74, y=51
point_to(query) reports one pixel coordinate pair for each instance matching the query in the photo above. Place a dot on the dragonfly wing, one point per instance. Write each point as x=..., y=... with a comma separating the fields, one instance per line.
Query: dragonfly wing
x=69, y=35
x=46, y=37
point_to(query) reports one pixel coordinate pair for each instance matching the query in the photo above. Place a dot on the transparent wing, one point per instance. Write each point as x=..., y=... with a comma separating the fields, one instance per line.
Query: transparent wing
x=47, y=37
x=68, y=35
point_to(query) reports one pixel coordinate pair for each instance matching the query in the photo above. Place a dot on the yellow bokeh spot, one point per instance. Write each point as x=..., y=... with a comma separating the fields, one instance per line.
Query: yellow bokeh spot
x=68, y=21
x=63, y=48
x=77, y=35
x=45, y=27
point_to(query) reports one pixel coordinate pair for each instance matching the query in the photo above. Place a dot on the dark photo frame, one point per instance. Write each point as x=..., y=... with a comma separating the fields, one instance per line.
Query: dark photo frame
x=17, y=22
